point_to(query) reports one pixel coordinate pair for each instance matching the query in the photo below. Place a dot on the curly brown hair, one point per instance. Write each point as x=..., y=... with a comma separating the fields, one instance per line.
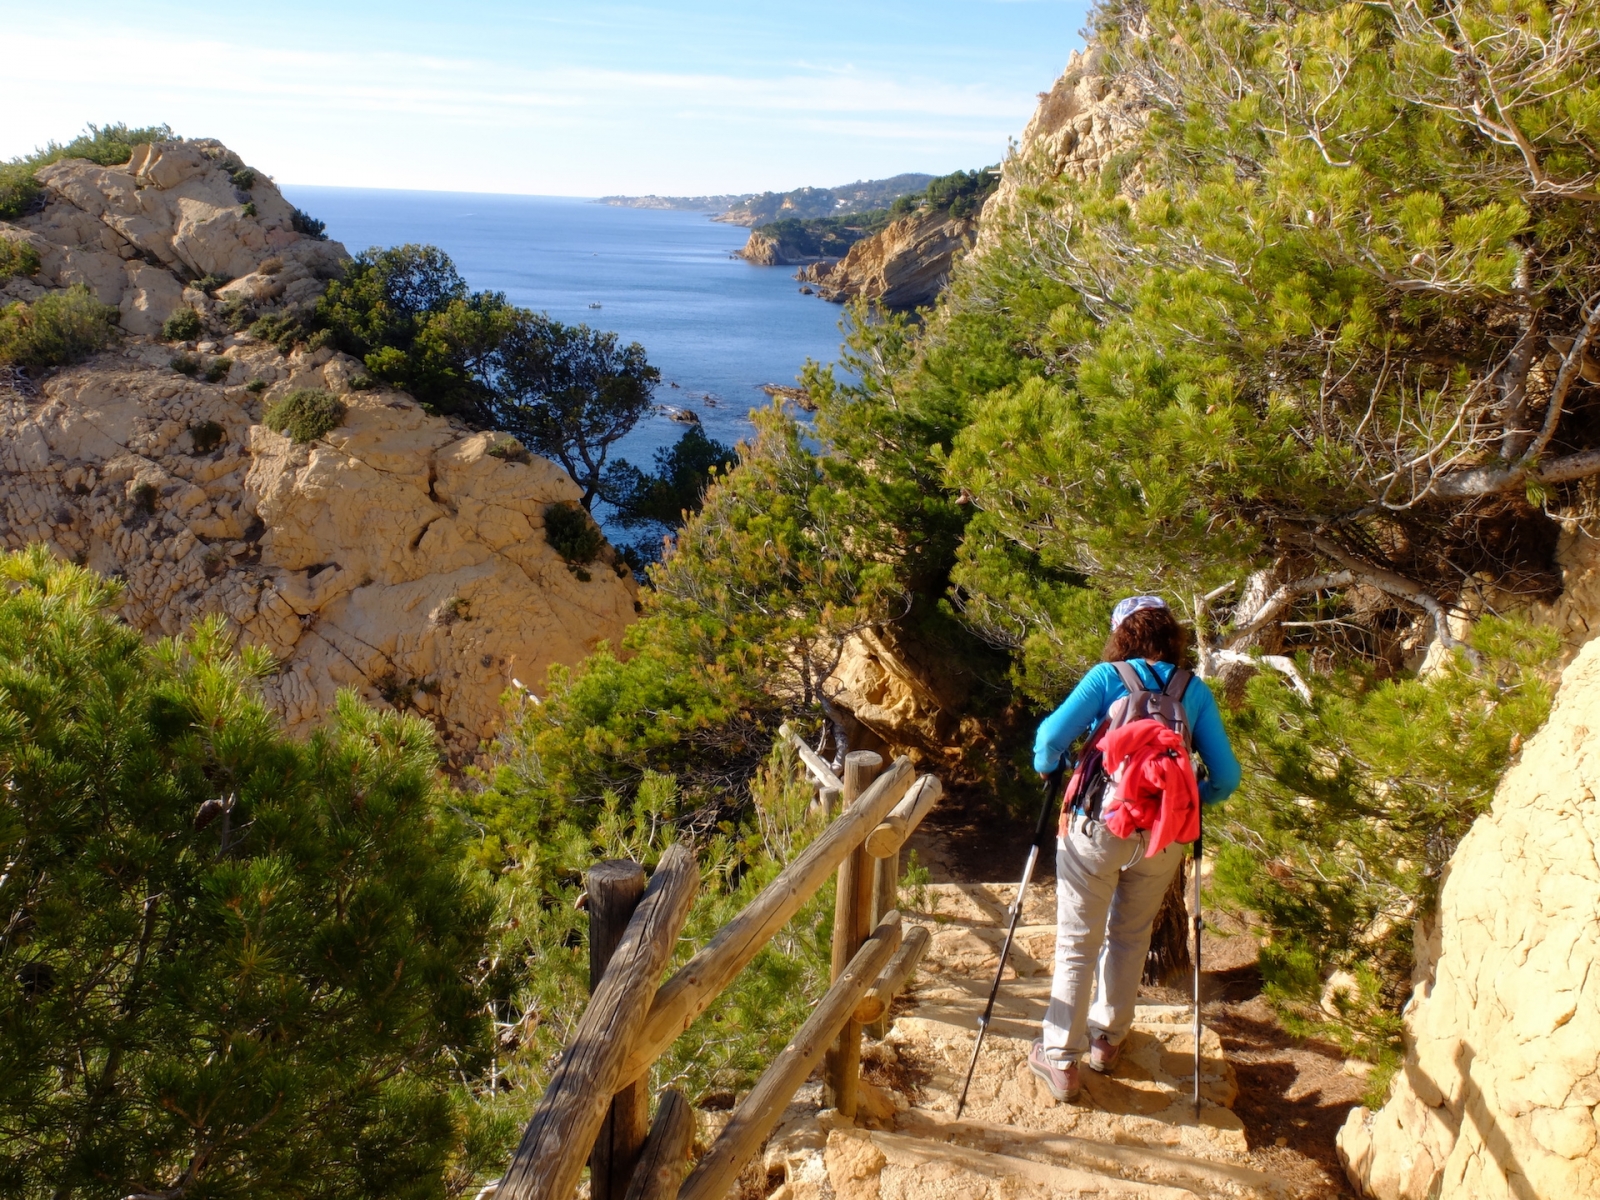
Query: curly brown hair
x=1152, y=633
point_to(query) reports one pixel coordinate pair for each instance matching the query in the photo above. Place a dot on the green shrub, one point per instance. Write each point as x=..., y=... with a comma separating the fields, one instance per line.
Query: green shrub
x=238, y=314
x=304, y=223
x=185, y=364
x=572, y=533
x=106, y=145
x=218, y=370
x=210, y=283
x=243, y=178
x=256, y=385
x=249, y=209
x=282, y=329
x=17, y=258
x=57, y=329
x=305, y=414
x=184, y=325
x=206, y=436
x=308, y=1003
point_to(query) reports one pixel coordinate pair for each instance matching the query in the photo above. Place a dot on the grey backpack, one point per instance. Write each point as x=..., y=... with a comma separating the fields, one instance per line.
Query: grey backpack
x=1086, y=791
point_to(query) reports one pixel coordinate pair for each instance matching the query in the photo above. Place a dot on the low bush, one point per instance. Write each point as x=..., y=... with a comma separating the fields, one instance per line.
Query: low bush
x=57, y=329
x=106, y=145
x=256, y=385
x=243, y=178
x=305, y=414
x=282, y=329
x=185, y=364
x=304, y=223
x=572, y=533
x=249, y=208
x=184, y=325
x=206, y=436
x=210, y=282
x=218, y=370
x=17, y=258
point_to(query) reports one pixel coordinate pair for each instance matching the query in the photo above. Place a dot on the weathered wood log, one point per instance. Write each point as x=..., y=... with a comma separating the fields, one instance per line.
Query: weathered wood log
x=614, y=889
x=852, y=919
x=820, y=771
x=885, y=898
x=893, y=830
x=556, y=1142
x=665, y=1157
x=701, y=980
x=891, y=981
x=755, y=1119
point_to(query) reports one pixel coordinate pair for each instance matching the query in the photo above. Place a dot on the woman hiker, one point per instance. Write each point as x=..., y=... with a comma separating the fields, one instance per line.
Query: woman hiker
x=1107, y=891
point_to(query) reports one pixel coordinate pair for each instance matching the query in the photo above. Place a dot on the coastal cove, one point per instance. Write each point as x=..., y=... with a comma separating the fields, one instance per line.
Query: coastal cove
x=715, y=325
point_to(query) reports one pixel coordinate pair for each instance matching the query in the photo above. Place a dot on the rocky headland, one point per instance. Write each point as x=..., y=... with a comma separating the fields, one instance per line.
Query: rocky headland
x=904, y=266
x=400, y=554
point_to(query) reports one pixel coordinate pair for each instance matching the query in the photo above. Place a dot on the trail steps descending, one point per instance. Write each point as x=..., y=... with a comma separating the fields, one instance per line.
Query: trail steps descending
x=1132, y=1133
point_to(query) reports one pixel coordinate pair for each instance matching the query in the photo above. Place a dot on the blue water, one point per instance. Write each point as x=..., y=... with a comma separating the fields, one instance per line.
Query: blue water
x=715, y=325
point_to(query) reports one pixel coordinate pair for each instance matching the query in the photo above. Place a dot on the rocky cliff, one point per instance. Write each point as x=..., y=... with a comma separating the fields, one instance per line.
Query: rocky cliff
x=1500, y=1092
x=903, y=266
x=400, y=554
x=1085, y=118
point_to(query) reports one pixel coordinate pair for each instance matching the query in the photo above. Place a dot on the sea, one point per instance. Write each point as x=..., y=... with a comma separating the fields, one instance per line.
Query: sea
x=716, y=326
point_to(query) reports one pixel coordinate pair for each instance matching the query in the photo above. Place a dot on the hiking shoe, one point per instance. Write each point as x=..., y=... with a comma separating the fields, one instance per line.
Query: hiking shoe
x=1062, y=1082
x=1103, y=1055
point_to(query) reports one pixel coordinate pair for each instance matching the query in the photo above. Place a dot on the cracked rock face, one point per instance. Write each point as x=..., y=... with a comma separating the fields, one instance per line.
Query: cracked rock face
x=1499, y=1096
x=401, y=554
x=139, y=233
x=903, y=266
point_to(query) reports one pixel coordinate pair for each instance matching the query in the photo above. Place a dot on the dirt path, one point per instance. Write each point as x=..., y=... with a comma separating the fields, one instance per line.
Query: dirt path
x=1293, y=1093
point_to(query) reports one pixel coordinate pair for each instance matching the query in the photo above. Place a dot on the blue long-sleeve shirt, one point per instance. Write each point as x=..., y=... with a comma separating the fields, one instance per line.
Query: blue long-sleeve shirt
x=1102, y=687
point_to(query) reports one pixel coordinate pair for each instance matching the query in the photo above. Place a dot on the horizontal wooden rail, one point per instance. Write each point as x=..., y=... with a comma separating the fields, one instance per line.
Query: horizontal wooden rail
x=701, y=980
x=893, y=977
x=820, y=771
x=756, y=1118
x=556, y=1142
x=904, y=818
x=665, y=1156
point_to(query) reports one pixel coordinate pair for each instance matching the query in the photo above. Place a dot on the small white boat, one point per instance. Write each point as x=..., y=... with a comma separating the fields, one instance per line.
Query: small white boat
x=595, y=305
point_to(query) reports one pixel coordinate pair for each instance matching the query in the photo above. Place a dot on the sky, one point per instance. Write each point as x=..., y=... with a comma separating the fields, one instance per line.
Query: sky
x=538, y=98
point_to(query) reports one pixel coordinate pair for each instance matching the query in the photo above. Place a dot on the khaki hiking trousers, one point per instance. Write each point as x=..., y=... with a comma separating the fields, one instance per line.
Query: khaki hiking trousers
x=1107, y=897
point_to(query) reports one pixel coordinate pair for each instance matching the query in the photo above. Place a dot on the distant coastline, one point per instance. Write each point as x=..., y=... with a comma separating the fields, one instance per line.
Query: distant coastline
x=760, y=208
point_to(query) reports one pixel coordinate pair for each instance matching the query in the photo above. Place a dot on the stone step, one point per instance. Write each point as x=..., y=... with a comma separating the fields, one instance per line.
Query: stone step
x=1124, y=1158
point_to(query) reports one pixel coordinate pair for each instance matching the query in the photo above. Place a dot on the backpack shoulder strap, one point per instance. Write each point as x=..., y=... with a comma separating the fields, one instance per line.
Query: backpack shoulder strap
x=1131, y=679
x=1178, y=684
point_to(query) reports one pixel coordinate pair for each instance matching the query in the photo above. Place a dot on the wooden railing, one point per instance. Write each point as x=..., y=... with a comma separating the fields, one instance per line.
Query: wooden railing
x=595, y=1108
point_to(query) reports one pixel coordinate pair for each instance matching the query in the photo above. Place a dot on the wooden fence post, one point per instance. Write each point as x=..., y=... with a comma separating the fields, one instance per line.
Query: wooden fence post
x=615, y=887
x=851, y=924
x=885, y=899
x=550, y=1157
x=762, y=1109
x=702, y=979
x=665, y=1158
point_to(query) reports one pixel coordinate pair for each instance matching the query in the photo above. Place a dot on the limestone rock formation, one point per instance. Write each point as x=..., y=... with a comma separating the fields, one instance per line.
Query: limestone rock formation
x=1081, y=122
x=764, y=250
x=140, y=233
x=1500, y=1092
x=903, y=266
x=400, y=554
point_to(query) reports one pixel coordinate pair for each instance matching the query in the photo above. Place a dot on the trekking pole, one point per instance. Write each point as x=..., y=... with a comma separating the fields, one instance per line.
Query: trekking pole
x=1051, y=791
x=1199, y=924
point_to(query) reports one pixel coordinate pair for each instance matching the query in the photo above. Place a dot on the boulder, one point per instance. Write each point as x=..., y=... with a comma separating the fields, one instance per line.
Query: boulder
x=1499, y=1095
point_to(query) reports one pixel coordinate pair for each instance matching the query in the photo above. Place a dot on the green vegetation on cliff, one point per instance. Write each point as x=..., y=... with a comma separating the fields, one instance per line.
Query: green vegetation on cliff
x=107, y=145
x=960, y=194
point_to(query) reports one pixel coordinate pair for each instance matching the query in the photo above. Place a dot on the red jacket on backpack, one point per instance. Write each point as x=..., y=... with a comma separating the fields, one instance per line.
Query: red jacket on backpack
x=1155, y=785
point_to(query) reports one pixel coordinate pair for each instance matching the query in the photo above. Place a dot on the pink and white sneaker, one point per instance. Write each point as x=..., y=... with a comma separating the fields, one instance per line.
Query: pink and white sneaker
x=1103, y=1055
x=1062, y=1082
